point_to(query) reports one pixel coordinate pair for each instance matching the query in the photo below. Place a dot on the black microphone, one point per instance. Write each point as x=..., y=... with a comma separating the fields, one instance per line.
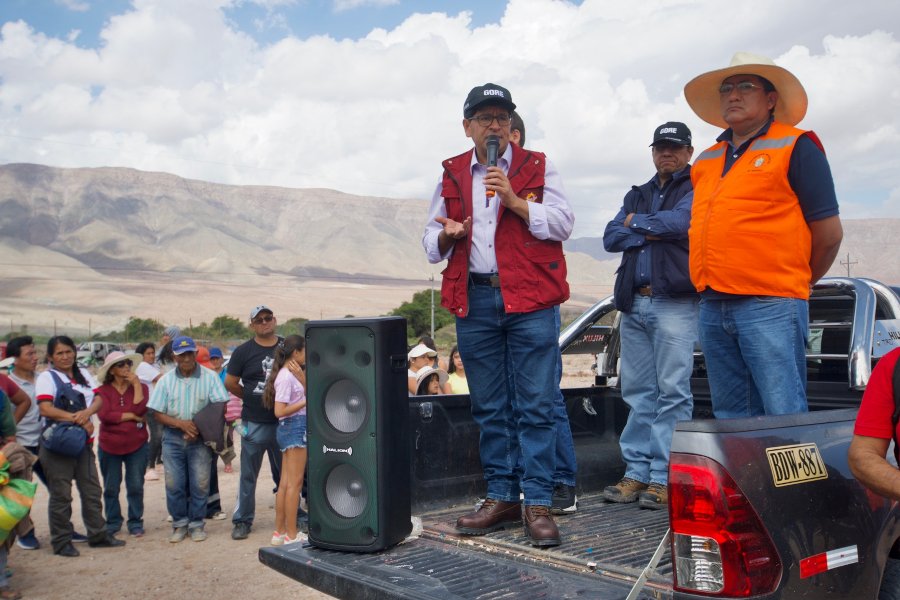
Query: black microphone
x=493, y=147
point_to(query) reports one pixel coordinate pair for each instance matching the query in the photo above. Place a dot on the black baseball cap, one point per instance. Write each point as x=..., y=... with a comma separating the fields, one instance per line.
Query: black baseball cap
x=672, y=132
x=489, y=93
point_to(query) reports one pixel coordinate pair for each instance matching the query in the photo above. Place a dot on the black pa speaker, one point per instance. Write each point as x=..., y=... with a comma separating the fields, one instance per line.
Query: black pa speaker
x=358, y=421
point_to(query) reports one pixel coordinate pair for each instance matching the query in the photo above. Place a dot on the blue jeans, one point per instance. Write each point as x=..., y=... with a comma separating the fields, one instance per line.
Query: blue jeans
x=755, y=350
x=187, y=468
x=658, y=337
x=512, y=420
x=566, y=465
x=258, y=439
x=292, y=432
x=111, y=465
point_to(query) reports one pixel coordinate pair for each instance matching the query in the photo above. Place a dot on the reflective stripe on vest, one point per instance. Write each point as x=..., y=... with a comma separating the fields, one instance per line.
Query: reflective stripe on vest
x=748, y=235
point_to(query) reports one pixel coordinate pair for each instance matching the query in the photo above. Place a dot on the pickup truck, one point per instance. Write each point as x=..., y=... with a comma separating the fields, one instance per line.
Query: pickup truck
x=761, y=507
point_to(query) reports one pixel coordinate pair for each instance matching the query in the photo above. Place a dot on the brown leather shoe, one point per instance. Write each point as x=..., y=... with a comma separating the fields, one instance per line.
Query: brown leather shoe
x=540, y=527
x=493, y=515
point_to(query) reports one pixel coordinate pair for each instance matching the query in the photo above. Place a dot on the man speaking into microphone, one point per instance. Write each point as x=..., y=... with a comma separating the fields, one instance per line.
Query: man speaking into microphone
x=499, y=221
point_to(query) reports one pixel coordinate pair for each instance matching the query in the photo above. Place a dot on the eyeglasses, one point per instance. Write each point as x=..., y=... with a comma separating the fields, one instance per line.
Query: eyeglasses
x=265, y=319
x=743, y=88
x=663, y=147
x=122, y=363
x=486, y=120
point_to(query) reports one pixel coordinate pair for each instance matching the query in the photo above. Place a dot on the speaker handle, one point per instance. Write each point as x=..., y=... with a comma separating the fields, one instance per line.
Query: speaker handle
x=398, y=362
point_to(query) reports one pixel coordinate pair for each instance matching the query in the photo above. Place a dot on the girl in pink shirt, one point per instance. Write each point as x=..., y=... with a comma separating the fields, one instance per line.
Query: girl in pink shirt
x=285, y=391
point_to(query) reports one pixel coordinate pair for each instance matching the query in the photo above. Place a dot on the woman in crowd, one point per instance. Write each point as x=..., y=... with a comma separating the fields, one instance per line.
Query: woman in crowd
x=437, y=362
x=457, y=374
x=61, y=470
x=149, y=374
x=419, y=357
x=430, y=381
x=286, y=392
x=123, y=439
x=165, y=358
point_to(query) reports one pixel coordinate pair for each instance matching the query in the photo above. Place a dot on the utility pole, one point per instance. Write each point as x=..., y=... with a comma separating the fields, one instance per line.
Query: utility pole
x=847, y=263
x=431, y=279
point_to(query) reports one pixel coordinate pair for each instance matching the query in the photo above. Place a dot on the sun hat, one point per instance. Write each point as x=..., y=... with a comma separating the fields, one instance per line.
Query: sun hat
x=183, y=344
x=702, y=92
x=420, y=350
x=423, y=374
x=115, y=357
x=172, y=332
x=215, y=353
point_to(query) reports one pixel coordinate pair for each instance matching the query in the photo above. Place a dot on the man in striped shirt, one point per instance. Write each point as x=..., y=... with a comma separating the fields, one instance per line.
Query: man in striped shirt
x=177, y=398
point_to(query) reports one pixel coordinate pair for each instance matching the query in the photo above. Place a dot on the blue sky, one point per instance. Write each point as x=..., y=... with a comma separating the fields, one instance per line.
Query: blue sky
x=267, y=24
x=365, y=96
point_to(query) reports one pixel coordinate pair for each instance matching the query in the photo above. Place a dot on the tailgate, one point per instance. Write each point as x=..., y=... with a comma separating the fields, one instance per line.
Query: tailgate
x=793, y=470
x=605, y=548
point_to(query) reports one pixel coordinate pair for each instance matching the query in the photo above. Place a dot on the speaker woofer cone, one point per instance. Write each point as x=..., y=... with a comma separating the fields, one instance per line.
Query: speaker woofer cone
x=346, y=492
x=346, y=406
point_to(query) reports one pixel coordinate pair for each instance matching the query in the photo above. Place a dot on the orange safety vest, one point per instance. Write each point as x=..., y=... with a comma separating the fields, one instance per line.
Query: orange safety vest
x=748, y=235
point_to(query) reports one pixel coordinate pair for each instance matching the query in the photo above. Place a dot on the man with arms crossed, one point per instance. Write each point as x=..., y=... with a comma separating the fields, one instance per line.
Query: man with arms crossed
x=658, y=306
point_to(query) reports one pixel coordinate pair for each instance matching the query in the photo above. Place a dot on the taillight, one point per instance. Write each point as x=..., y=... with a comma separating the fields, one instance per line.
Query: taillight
x=719, y=545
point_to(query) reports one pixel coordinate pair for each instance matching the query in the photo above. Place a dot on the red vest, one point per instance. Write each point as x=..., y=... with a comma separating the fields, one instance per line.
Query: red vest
x=532, y=271
x=748, y=235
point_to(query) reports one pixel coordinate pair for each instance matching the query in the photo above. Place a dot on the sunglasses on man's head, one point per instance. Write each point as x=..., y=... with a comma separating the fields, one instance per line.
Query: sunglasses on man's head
x=265, y=319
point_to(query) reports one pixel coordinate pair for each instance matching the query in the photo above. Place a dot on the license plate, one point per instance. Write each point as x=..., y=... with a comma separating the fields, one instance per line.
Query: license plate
x=799, y=463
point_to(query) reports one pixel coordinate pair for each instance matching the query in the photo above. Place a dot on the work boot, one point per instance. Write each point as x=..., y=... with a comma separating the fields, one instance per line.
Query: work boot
x=656, y=497
x=540, y=527
x=493, y=515
x=626, y=490
x=564, y=500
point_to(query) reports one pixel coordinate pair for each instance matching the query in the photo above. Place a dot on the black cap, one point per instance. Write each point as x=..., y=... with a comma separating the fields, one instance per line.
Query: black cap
x=672, y=132
x=489, y=93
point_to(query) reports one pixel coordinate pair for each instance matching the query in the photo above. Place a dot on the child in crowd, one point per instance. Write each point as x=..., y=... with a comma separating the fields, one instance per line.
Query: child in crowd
x=457, y=374
x=286, y=391
x=430, y=381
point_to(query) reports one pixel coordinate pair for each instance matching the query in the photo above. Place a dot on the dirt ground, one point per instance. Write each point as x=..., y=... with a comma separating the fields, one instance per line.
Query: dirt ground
x=151, y=567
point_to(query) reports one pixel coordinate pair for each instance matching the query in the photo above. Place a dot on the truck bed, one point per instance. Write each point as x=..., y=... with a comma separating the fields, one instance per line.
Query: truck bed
x=605, y=548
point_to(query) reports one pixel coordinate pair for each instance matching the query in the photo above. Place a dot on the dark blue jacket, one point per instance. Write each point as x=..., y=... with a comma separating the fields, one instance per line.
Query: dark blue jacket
x=670, y=275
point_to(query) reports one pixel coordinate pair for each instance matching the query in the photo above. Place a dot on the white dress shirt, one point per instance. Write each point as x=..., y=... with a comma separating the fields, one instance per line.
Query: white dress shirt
x=551, y=219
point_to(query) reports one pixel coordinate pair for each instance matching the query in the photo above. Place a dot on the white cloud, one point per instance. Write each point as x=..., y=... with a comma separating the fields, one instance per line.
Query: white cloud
x=74, y=5
x=342, y=5
x=176, y=87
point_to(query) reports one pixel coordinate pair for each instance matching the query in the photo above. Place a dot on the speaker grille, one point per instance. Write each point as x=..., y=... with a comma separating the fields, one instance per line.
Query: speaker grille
x=346, y=492
x=346, y=406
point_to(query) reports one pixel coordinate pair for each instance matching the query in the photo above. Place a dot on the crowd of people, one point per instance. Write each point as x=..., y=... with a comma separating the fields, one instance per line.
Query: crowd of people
x=171, y=411
x=722, y=253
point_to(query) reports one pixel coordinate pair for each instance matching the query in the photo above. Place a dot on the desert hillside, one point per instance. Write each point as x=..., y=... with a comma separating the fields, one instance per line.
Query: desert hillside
x=84, y=249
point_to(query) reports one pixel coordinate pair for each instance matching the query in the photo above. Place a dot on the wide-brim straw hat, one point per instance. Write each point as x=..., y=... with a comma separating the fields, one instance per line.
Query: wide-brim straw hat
x=114, y=357
x=702, y=92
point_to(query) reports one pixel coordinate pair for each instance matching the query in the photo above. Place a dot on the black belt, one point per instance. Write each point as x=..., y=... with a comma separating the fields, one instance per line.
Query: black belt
x=491, y=279
x=644, y=290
